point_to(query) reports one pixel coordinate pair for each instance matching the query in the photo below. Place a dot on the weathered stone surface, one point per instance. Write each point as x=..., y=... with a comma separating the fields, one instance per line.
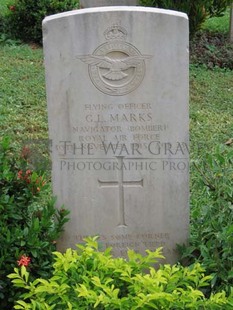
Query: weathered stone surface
x=118, y=118
x=95, y=3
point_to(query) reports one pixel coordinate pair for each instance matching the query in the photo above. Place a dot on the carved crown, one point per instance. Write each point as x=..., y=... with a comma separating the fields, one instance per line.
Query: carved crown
x=115, y=32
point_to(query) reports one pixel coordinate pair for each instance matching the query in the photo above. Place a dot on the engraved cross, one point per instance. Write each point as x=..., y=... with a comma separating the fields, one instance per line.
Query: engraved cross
x=121, y=184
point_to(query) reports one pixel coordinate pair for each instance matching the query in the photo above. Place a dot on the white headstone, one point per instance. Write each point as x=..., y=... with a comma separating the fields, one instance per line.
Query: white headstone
x=117, y=91
x=94, y=3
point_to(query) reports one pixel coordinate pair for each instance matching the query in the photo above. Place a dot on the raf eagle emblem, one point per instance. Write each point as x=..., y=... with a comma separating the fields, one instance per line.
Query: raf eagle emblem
x=116, y=67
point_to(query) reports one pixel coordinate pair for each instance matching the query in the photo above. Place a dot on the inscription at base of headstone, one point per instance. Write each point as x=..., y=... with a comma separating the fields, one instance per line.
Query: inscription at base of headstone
x=118, y=118
x=96, y=3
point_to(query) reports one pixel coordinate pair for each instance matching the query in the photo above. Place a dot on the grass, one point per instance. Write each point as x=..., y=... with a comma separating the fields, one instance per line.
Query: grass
x=211, y=124
x=218, y=24
x=22, y=96
x=211, y=111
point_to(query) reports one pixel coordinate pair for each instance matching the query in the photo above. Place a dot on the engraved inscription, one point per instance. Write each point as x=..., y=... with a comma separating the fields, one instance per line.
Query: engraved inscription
x=139, y=242
x=121, y=184
x=116, y=67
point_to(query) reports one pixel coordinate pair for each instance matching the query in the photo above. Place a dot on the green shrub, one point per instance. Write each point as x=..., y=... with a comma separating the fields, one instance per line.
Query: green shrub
x=24, y=18
x=197, y=10
x=29, y=222
x=212, y=218
x=89, y=279
x=211, y=50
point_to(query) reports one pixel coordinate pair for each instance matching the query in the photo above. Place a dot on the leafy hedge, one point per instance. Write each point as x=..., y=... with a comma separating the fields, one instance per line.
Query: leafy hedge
x=24, y=18
x=197, y=10
x=29, y=222
x=89, y=279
